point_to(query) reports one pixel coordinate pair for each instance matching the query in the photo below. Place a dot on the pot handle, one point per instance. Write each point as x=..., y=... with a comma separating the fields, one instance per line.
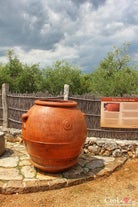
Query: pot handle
x=24, y=119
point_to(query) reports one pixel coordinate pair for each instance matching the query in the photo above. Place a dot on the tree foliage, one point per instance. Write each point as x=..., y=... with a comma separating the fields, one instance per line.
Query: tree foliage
x=20, y=77
x=61, y=73
x=115, y=76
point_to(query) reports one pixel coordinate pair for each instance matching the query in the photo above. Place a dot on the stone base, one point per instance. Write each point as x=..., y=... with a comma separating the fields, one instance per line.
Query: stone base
x=17, y=175
x=111, y=147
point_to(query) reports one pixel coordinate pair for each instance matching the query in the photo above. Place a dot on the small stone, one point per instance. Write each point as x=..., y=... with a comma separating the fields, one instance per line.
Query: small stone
x=86, y=169
x=24, y=162
x=18, y=139
x=110, y=145
x=9, y=138
x=75, y=172
x=100, y=143
x=136, y=153
x=10, y=174
x=9, y=162
x=57, y=183
x=117, y=153
x=85, y=151
x=81, y=162
x=28, y=171
x=108, y=159
x=12, y=187
x=46, y=176
x=106, y=153
x=91, y=142
x=130, y=147
x=94, y=149
x=130, y=154
x=25, y=157
x=97, y=163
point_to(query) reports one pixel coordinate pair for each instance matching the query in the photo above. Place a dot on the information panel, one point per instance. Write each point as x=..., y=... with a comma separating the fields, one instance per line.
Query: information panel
x=119, y=112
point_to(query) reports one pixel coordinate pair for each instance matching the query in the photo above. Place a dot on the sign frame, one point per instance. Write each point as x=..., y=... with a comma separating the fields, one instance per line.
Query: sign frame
x=119, y=112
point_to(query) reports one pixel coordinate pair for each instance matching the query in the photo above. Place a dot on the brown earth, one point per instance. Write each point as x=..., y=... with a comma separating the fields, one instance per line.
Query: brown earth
x=119, y=189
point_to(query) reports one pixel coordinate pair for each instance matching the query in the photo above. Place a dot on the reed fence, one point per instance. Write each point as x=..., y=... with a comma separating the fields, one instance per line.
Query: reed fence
x=12, y=106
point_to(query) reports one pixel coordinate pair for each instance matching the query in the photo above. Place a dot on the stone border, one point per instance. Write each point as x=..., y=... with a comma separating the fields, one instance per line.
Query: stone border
x=111, y=147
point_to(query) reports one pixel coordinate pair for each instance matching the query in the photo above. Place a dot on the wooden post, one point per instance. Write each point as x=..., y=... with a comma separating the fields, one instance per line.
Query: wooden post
x=66, y=92
x=5, y=89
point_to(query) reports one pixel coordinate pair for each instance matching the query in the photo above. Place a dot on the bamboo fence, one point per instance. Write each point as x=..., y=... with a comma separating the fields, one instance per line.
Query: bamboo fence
x=17, y=104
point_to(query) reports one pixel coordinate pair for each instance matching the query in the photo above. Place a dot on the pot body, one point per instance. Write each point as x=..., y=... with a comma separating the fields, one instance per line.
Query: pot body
x=54, y=132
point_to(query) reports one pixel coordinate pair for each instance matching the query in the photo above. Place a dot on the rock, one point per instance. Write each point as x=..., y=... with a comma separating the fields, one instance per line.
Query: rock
x=136, y=153
x=75, y=172
x=130, y=154
x=9, y=161
x=85, y=151
x=100, y=143
x=110, y=145
x=10, y=174
x=117, y=153
x=94, y=149
x=81, y=162
x=13, y=187
x=28, y=171
x=97, y=163
x=107, y=153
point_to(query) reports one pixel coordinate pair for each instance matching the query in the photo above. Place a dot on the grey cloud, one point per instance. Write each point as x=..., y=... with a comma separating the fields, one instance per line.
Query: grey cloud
x=23, y=27
x=24, y=21
x=40, y=24
x=95, y=3
x=3, y=52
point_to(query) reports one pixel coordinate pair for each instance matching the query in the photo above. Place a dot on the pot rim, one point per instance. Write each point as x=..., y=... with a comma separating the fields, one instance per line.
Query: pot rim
x=55, y=102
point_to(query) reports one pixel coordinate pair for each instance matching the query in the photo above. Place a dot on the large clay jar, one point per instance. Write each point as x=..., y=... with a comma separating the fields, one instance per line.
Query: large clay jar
x=54, y=132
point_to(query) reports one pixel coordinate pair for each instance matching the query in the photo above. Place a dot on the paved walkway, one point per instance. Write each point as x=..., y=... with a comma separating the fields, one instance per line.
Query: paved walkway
x=17, y=175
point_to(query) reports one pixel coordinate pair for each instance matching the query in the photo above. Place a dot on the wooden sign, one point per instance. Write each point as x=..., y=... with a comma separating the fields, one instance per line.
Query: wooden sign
x=119, y=112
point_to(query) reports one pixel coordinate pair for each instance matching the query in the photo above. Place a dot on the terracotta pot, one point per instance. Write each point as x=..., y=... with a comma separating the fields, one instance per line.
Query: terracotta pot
x=54, y=132
x=113, y=107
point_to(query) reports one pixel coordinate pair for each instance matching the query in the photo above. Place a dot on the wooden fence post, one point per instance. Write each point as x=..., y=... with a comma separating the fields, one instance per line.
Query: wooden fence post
x=5, y=89
x=66, y=92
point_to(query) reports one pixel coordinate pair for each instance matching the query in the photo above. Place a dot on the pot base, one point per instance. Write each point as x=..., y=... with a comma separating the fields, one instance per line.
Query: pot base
x=54, y=168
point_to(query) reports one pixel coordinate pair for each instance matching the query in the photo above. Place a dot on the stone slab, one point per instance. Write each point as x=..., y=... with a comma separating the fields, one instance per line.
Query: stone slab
x=10, y=174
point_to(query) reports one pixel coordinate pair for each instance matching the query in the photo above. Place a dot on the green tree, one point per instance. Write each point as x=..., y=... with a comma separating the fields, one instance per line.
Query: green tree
x=20, y=77
x=4, y=76
x=115, y=76
x=14, y=65
x=30, y=79
x=61, y=73
x=13, y=68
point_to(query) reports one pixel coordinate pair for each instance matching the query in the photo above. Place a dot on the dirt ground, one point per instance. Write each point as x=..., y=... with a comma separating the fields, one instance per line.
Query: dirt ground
x=119, y=189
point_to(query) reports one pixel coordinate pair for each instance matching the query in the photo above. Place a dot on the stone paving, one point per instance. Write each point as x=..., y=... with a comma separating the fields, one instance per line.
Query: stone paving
x=17, y=175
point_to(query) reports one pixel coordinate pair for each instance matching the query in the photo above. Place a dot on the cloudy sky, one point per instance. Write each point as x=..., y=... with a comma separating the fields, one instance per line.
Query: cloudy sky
x=79, y=31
